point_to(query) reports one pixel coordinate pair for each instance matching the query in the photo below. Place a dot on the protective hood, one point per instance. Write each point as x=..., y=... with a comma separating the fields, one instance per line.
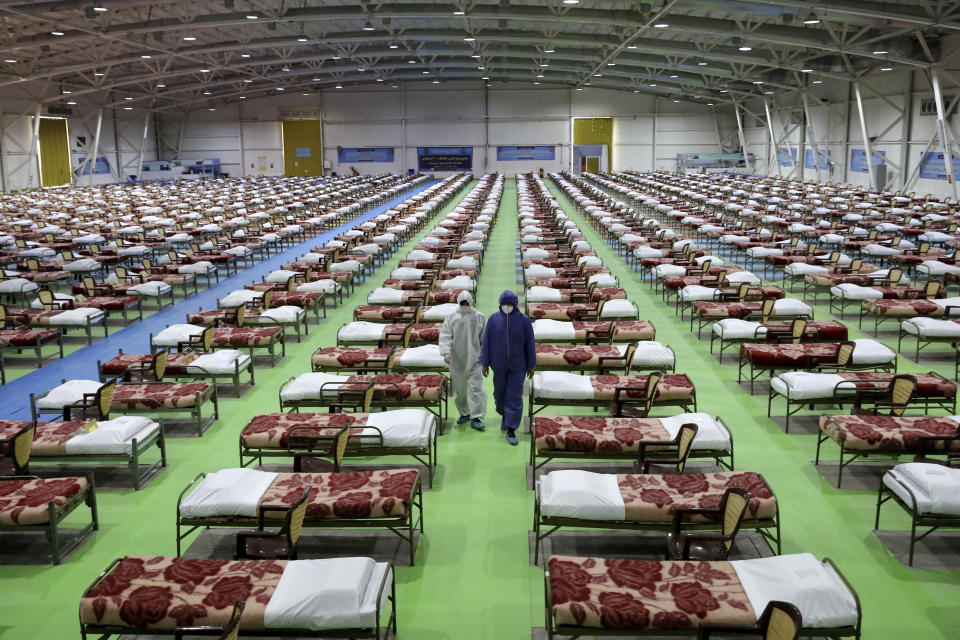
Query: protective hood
x=509, y=297
x=465, y=296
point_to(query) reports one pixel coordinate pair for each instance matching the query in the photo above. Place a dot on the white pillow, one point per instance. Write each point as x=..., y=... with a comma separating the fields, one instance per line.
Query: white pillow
x=70, y=392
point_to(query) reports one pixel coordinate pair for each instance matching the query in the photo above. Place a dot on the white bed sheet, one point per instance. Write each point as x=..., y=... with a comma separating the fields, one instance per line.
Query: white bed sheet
x=806, y=385
x=557, y=385
x=935, y=486
x=812, y=586
x=228, y=492
x=403, y=427
x=581, y=494
x=710, y=434
x=113, y=436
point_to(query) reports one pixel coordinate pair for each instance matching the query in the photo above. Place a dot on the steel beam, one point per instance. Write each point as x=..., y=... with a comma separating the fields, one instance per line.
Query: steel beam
x=942, y=129
x=143, y=143
x=92, y=161
x=773, y=140
x=807, y=116
x=867, y=145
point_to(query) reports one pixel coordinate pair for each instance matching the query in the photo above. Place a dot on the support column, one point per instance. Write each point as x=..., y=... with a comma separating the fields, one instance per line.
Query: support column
x=942, y=130
x=3, y=153
x=121, y=170
x=403, y=128
x=813, y=136
x=35, y=151
x=486, y=128
x=867, y=146
x=743, y=138
x=143, y=143
x=183, y=127
x=773, y=140
x=91, y=161
x=906, y=125
x=243, y=155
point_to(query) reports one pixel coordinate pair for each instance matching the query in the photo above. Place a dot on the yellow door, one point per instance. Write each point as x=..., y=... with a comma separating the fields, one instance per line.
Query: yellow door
x=593, y=164
x=302, y=150
x=54, y=153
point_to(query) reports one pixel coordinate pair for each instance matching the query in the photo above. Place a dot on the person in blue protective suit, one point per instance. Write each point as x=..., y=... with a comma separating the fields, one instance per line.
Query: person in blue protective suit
x=508, y=349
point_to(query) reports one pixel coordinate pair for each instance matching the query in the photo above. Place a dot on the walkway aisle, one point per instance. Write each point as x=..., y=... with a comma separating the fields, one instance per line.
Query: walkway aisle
x=473, y=579
x=43, y=598
x=816, y=517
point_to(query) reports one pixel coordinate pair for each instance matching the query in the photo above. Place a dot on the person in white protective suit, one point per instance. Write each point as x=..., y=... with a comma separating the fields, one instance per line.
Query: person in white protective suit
x=461, y=338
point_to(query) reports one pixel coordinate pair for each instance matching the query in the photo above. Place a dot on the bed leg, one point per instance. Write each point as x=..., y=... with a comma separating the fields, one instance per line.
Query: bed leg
x=913, y=537
x=52, y=536
x=840, y=470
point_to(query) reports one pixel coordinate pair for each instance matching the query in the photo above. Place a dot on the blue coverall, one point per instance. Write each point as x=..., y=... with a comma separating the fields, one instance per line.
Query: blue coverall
x=509, y=349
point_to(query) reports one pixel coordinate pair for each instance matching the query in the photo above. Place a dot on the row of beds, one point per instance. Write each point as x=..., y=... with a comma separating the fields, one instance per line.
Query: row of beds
x=47, y=245
x=924, y=488
x=283, y=601
x=592, y=596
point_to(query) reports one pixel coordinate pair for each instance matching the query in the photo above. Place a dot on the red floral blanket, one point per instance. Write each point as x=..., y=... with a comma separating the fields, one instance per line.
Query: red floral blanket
x=167, y=395
x=672, y=386
x=24, y=502
x=246, y=336
x=903, y=308
x=655, y=498
x=337, y=357
x=886, y=433
x=560, y=311
x=355, y=494
x=154, y=592
x=588, y=434
x=641, y=594
x=269, y=431
x=24, y=337
x=383, y=313
x=585, y=357
x=788, y=356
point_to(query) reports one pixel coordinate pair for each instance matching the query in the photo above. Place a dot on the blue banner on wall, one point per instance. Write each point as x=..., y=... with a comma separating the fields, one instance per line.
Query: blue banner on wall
x=444, y=158
x=303, y=152
x=787, y=157
x=101, y=166
x=526, y=153
x=858, y=160
x=364, y=154
x=824, y=159
x=934, y=166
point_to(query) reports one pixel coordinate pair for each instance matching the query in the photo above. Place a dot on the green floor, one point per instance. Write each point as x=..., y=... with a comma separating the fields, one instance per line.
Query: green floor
x=473, y=578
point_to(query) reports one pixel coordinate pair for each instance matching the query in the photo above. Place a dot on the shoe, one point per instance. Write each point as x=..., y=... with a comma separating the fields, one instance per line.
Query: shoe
x=477, y=424
x=463, y=419
x=512, y=437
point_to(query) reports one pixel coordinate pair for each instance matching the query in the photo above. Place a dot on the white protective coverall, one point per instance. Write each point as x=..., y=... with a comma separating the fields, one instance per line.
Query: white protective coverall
x=461, y=337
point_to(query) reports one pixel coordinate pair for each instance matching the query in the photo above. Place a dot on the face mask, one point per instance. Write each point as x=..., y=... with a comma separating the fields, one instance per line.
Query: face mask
x=506, y=308
x=464, y=308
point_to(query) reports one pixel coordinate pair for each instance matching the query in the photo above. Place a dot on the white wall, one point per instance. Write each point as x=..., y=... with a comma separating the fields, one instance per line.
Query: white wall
x=121, y=136
x=454, y=114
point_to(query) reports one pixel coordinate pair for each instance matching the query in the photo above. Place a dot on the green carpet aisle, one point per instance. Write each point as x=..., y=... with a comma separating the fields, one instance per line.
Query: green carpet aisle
x=816, y=517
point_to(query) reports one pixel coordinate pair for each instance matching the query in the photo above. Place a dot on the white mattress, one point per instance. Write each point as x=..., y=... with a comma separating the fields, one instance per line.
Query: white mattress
x=279, y=277
x=618, y=308
x=406, y=273
x=650, y=353
x=175, y=334
x=309, y=386
x=318, y=286
x=539, y=271
x=696, y=292
x=464, y=262
x=935, y=487
x=791, y=307
x=558, y=385
x=711, y=435
x=542, y=294
x=113, y=436
x=287, y=314
x=459, y=282
x=360, y=332
x=852, y=291
x=17, y=285
x=737, y=329
x=239, y=298
x=69, y=392
x=77, y=317
x=150, y=289
x=403, y=427
x=335, y=593
x=931, y=327
x=439, y=312
x=800, y=268
x=739, y=277
x=384, y=295
x=805, y=385
x=546, y=329
x=581, y=494
x=220, y=362
x=666, y=270
x=868, y=351
x=812, y=586
x=57, y=297
x=200, y=267
x=427, y=355
x=228, y=492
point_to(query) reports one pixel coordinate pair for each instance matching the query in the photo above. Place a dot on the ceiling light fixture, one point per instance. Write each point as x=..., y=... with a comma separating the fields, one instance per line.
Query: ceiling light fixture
x=204, y=70
x=71, y=102
x=145, y=57
x=253, y=17
x=886, y=68
x=631, y=46
x=10, y=61
x=806, y=70
x=99, y=9
x=248, y=81
x=676, y=101
x=189, y=38
x=469, y=39
x=211, y=109
x=817, y=82
x=652, y=84
x=579, y=88
x=880, y=52
x=661, y=25
x=571, y=1
x=159, y=86
x=301, y=39
x=244, y=55
x=535, y=82
x=436, y=82
x=457, y=12
x=379, y=79
x=485, y=78
x=702, y=64
x=128, y=98
x=539, y=75
x=281, y=89
x=674, y=76
x=549, y=50
x=65, y=91
x=367, y=26
x=314, y=79
x=243, y=97
x=811, y=19
x=56, y=33
x=339, y=86
x=207, y=93
x=426, y=72
x=394, y=45
x=128, y=108
x=611, y=64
